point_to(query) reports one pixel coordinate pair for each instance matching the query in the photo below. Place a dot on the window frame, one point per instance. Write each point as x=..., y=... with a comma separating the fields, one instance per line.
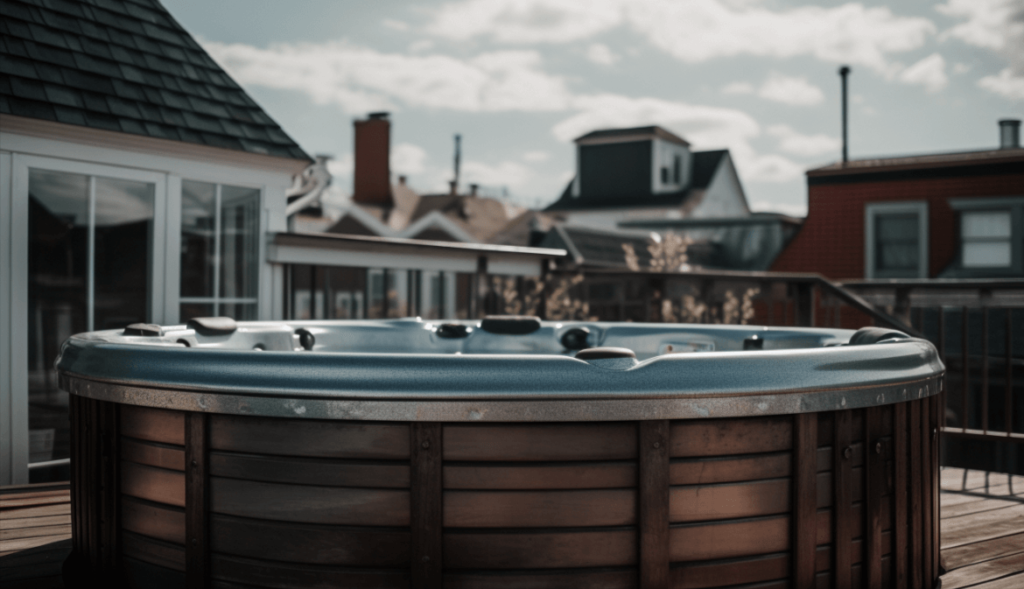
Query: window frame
x=1012, y=204
x=876, y=209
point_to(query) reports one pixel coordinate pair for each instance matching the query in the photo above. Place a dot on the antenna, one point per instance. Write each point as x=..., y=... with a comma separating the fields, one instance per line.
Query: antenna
x=458, y=157
x=844, y=71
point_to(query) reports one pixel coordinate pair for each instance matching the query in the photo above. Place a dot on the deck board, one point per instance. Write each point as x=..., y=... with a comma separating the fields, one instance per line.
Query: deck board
x=982, y=532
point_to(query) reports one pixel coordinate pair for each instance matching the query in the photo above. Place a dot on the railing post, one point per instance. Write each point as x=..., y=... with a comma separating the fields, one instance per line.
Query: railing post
x=803, y=303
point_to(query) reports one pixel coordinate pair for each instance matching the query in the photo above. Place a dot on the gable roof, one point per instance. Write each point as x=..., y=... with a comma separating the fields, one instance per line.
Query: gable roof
x=705, y=164
x=126, y=66
x=926, y=166
x=631, y=134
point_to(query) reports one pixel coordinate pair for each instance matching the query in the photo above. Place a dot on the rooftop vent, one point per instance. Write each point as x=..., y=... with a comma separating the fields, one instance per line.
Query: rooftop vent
x=1009, y=134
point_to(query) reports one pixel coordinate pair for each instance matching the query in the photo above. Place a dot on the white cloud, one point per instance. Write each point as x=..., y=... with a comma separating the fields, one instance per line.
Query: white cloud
x=707, y=127
x=396, y=25
x=536, y=156
x=989, y=23
x=601, y=54
x=961, y=68
x=1005, y=84
x=696, y=30
x=930, y=72
x=796, y=143
x=738, y=88
x=510, y=174
x=408, y=158
x=360, y=79
x=791, y=90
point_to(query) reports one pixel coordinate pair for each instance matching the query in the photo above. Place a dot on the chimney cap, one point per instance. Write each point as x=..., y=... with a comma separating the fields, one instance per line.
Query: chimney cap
x=378, y=115
x=1009, y=133
x=401, y=180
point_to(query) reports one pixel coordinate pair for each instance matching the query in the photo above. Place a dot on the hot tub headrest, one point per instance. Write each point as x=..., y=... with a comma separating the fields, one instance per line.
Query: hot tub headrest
x=873, y=335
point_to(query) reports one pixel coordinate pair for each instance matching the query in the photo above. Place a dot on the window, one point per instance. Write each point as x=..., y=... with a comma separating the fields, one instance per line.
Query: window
x=219, y=250
x=896, y=240
x=664, y=175
x=986, y=239
x=677, y=169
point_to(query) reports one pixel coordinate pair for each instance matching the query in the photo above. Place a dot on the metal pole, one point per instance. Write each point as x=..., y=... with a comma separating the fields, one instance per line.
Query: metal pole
x=458, y=158
x=844, y=71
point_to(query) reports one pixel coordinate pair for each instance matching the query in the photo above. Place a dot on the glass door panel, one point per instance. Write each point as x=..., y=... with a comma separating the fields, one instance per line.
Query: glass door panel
x=123, y=252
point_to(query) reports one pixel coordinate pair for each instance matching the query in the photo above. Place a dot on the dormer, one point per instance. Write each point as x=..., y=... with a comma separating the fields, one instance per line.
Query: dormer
x=613, y=163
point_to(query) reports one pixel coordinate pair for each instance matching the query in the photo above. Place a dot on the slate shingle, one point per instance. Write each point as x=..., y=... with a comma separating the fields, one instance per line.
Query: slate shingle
x=125, y=66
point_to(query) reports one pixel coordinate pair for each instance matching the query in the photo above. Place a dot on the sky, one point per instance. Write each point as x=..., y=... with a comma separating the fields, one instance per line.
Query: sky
x=520, y=79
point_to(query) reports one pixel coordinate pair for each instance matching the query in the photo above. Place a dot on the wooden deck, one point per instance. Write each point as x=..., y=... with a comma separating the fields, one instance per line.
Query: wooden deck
x=982, y=532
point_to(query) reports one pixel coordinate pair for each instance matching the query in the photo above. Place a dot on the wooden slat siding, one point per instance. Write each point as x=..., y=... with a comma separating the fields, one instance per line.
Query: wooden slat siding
x=874, y=481
x=109, y=487
x=540, y=443
x=719, y=437
x=313, y=438
x=925, y=469
x=590, y=579
x=425, y=498
x=826, y=427
x=588, y=475
x=653, y=504
x=91, y=507
x=153, y=454
x=15, y=533
x=155, y=425
x=762, y=569
x=914, y=501
x=530, y=509
x=310, y=504
x=900, y=496
x=700, y=471
x=805, y=477
x=856, y=487
x=310, y=543
x=197, y=549
x=542, y=550
x=77, y=482
x=728, y=501
x=729, y=539
x=155, y=552
x=825, y=455
x=938, y=409
x=153, y=520
x=310, y=471
x=153, y=484
x=842, y=503
x=250, y=572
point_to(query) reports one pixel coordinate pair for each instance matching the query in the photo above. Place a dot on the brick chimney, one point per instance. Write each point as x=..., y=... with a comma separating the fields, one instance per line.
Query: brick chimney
x=372, y=183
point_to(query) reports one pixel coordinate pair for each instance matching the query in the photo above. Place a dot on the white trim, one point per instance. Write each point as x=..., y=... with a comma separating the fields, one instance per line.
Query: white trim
x=368, y=221
x=437, y=220
x=871, y=210
x=447, y=261
x=14, y=380
x=172, y=251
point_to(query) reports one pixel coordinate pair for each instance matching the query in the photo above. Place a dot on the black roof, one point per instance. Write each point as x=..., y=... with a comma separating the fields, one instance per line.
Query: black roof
x=704, y=165
x=127, y=66
x=653, y=131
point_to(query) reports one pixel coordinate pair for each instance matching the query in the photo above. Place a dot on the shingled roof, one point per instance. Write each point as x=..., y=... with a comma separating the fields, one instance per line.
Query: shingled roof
x=126, y=66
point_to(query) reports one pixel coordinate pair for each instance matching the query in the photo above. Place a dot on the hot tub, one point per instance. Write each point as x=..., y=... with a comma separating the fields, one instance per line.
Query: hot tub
x=503, y=453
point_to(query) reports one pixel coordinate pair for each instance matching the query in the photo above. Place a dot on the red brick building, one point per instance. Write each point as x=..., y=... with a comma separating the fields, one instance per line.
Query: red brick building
x=954, y=215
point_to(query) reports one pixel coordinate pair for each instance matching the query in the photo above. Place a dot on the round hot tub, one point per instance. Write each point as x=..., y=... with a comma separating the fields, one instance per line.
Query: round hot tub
x=503, y=453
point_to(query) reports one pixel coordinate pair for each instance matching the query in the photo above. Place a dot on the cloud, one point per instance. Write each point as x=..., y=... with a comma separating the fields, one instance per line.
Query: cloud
x=396, y=25
x=738, y=88
x=707, y=127
x=930, y=72
x=989, y=23
x=1005, y=84
x=408, y=158
x=796, y=143
x=697, y=30
x=359, y=79
x=510, y=174
x=536, y=156
x=791, y=90
x=600, y=54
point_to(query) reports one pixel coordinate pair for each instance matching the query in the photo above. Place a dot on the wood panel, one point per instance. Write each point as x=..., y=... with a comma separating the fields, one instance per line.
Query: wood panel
x=315, y=438
x=576, y=579
x=826, y=454
x=153, y=484
x=653, y=504
x=310, y=471
x=772, y=567
x=540, y=550
x=197, y=549
x=900, y=495
x=923, y=470
x=310, y=543
x=916, y=559
x=309, y=504
x=525, y=509
x=825, y=524
x=842, y=514
x=727, y=501
x=730, y=539
x=717, y=437
x=805, y=494
x=153, y=454
x=583, y=475
x=855, y=487
x=541, y=442
x=874, y=487
x=702, y=471
x=268, y=573
x=153, y=520
x=155, y=425
x=425, y=506
x=138, y=574
x=826, y=427
x=146, y=549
